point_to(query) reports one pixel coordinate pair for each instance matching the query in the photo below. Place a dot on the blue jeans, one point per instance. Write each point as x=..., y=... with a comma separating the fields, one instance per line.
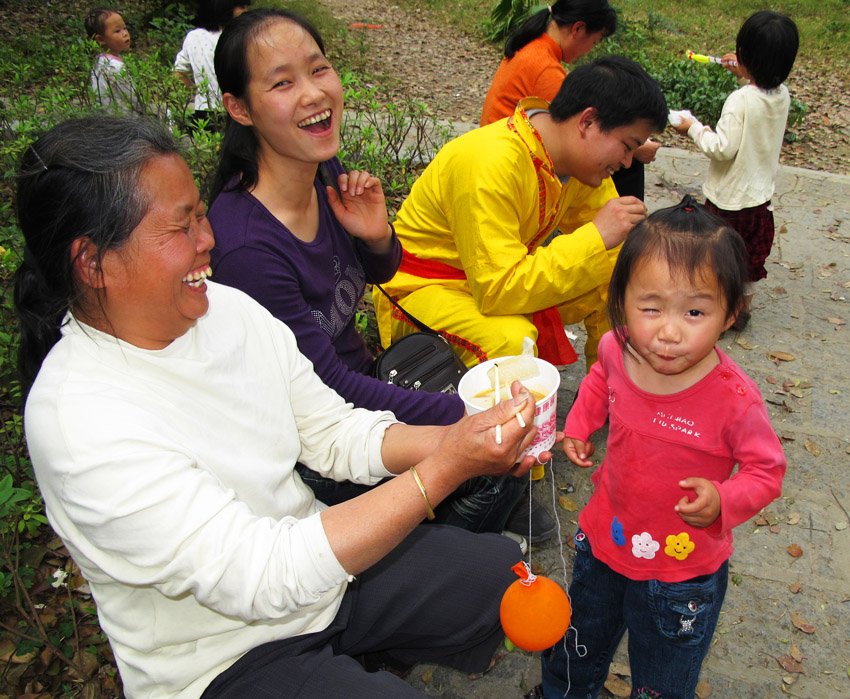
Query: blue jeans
x=670, y=629
x=479, y=505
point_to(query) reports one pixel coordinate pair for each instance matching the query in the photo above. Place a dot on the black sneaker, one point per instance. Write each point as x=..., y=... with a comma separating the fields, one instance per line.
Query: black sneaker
x=542, y=525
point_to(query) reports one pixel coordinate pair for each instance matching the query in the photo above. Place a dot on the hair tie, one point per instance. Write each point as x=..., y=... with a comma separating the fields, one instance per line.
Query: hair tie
x=38, y=157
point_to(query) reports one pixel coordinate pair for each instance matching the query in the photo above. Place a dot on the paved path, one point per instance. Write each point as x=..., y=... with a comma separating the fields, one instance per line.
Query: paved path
x=802, y=313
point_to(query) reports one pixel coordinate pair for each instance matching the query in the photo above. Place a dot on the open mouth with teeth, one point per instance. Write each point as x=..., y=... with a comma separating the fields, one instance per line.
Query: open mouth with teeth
x=317, y=123
x=196, y=278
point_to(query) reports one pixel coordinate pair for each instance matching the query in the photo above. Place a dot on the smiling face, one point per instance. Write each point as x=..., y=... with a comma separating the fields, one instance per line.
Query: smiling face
x=115, y=37
x=673, y=325
x=580, y=148
x=605, y=152
x=293, y=99
x=153, y=285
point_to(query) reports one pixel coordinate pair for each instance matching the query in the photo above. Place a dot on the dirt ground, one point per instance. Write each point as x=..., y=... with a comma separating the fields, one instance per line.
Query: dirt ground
x=451, y=73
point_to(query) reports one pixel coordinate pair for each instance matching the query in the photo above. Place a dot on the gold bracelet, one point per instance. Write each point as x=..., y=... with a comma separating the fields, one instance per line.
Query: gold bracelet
x=428, y=507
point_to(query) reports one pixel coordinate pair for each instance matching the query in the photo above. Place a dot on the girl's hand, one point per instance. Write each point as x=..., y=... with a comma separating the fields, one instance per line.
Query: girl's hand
x=646, y=153
x=682, y=127
x=705, y=508
x=734, y=69
x=578, y=451
x=362, y=209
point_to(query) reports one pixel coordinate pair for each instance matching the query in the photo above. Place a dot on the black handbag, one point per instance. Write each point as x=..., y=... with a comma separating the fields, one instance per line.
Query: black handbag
x=421, y=361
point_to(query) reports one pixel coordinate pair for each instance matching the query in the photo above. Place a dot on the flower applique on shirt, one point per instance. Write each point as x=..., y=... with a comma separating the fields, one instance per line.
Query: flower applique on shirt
x=644, y=546
x=617, y=532
x=679, y=546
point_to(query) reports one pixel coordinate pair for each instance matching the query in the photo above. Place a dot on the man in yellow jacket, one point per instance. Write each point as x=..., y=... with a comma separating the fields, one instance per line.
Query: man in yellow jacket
x=475, y=266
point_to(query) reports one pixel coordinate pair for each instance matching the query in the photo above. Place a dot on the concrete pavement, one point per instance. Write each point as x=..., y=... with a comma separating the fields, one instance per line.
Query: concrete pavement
x=801, y=315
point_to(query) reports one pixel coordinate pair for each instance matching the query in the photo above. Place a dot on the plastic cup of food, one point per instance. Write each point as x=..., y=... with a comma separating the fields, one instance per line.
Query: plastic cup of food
x=476, y=391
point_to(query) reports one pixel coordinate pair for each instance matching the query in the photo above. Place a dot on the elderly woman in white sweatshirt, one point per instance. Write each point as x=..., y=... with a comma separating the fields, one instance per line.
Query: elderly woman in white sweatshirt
x=164, y=421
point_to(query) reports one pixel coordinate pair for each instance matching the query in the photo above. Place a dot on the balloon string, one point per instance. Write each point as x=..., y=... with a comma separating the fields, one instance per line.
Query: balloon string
x=581, y=650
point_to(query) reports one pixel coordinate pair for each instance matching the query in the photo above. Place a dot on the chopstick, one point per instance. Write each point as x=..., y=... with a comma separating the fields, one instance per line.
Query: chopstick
x=498, y=398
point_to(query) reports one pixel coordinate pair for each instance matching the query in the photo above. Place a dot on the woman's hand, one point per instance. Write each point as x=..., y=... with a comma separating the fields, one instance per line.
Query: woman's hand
x=705, y=508
x=362, y=209
x=473, y=445
x=579, y=451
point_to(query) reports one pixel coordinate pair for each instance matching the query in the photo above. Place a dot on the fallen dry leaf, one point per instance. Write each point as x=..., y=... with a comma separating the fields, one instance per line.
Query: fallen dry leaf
x=837, y=321
x=778, y=356
x=789, y=664
x=795, y=652
x=760, y=521
x=794, y=518
x=796, y=588
x=802, y=624
x=7, y=649
x=795, y=550
x=428, y=675
x=618, y=687
x=770, y=379
x=788, y=680
x=704, y=689
x=812, y=447
x=744, y=344
x=621, y=669
x=568, y=504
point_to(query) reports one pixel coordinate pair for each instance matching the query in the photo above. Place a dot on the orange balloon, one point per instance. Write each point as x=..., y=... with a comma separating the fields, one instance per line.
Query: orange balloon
x=535, y=611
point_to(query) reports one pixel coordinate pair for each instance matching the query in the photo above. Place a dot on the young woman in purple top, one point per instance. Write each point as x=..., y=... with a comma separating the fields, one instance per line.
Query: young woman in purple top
x=304, y=248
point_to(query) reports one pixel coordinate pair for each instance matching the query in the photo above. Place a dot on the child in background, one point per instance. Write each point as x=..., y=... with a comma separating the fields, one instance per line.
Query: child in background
x=109, y=81
x=654, y=540
x=744, y=150
x=194, y=63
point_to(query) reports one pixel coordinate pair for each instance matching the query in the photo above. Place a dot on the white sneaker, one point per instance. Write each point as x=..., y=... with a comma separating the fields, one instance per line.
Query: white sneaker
x=523, y=544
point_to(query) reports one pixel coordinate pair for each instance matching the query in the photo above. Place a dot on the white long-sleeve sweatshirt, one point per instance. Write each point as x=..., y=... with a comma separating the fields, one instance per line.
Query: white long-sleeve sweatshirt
x=744, y=149
x=169, y=476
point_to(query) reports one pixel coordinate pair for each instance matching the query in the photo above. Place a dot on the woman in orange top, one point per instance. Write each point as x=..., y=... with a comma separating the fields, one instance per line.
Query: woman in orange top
x=563, y=32
x=532, y=67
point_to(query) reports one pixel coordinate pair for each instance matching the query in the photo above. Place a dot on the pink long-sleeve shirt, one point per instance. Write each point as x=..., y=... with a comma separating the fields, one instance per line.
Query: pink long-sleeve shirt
x=657, y=440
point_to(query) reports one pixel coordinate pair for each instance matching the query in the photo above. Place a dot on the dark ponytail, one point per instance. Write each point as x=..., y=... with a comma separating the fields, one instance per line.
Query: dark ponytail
x=597, y=15
x=79, y=180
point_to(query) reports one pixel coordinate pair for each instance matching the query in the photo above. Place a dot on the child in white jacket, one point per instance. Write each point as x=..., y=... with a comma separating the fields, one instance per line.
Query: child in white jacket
x=744, y=149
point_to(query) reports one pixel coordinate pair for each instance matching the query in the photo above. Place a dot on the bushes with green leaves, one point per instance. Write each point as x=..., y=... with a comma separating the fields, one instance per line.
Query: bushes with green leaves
x=41, y=84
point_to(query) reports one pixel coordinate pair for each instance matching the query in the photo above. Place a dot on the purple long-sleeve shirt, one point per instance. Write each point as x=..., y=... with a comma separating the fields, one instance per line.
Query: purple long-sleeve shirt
x=315, y=289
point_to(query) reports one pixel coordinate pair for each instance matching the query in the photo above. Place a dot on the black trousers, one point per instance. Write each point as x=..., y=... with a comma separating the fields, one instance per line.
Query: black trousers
x=434, y=598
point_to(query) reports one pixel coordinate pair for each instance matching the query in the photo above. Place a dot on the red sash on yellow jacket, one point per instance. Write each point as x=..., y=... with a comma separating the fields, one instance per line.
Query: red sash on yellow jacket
x=552, y=342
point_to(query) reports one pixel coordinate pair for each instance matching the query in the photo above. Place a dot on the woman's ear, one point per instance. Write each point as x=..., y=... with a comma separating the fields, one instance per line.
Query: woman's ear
x=236, y=109
x=85, y=263
x=577, y=29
